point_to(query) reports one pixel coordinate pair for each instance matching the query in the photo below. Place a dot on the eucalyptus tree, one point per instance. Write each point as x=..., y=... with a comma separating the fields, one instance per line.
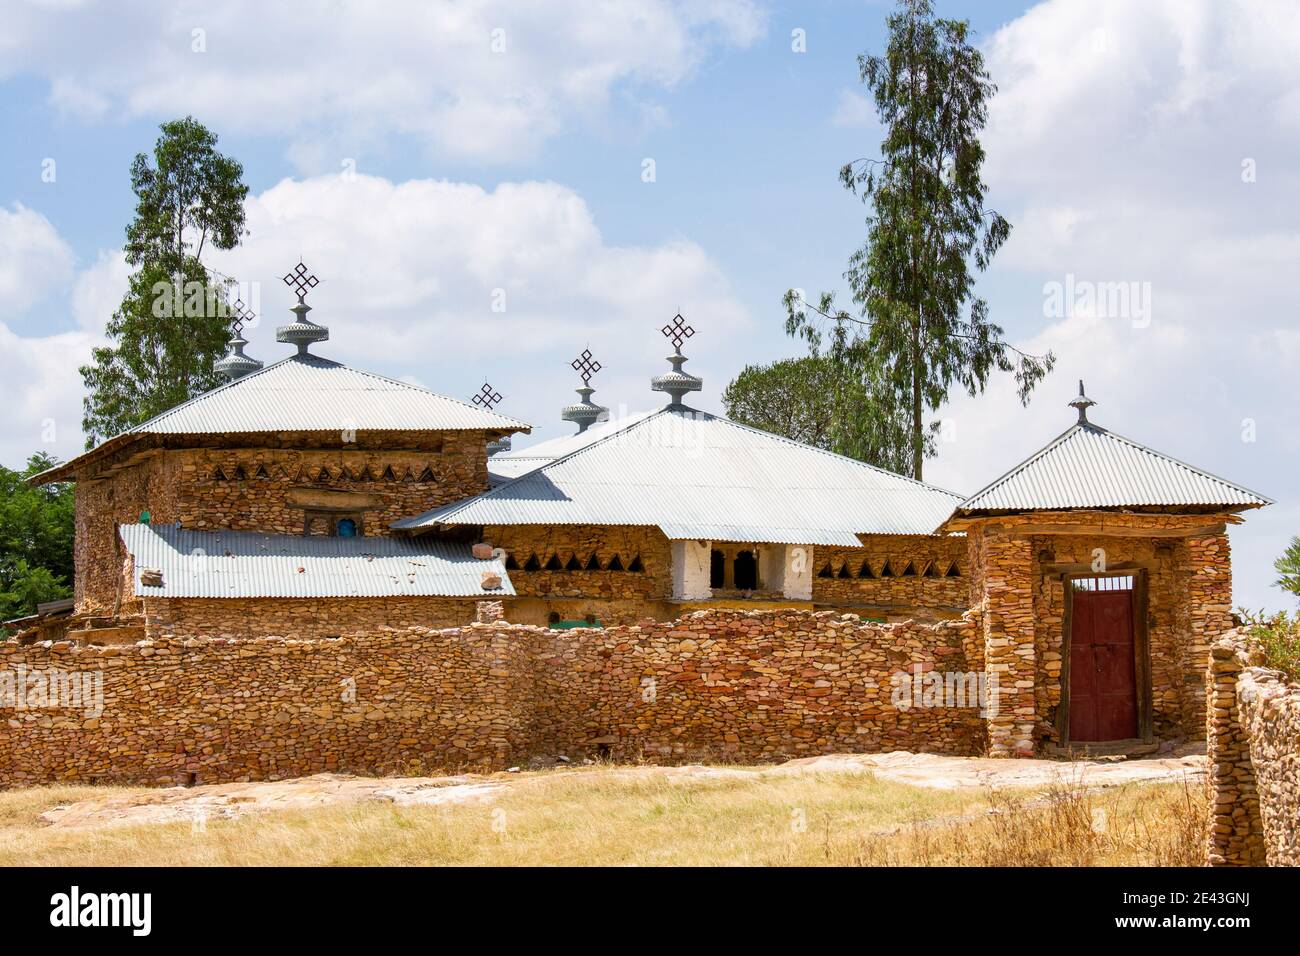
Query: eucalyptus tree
x=174, y=321
x=920, y=328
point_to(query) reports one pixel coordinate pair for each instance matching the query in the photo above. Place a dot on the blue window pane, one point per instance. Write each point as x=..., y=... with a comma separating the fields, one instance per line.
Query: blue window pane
x=347, y=528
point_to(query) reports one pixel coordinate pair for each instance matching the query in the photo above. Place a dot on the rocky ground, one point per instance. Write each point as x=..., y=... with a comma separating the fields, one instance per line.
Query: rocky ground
x=214, y=801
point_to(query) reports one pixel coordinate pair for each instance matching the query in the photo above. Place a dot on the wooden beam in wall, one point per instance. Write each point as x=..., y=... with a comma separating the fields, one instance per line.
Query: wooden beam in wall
x=1107, y=531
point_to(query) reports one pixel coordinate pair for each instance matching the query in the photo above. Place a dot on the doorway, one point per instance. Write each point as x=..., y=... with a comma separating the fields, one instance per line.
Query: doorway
x=1105, y=656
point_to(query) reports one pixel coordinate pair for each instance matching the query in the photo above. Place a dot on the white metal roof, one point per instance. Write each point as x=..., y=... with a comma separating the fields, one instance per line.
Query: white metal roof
x=695, y=475
x=520, y=461
x=306, y=393
x=310, y=393
x=1090, y=467
x=244, y=564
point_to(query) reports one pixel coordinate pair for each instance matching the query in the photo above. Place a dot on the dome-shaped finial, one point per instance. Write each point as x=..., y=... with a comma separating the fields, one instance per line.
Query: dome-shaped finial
x=302, y=332
x=585, y=412
x=235, y=364
x=676, y=383
x=1082, y=403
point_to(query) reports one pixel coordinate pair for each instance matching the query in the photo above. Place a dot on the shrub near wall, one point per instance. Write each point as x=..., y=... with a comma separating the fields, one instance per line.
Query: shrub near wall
x=714, y=685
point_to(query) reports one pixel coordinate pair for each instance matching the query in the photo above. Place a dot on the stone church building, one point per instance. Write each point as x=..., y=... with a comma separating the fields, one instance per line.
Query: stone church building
x=310, y=499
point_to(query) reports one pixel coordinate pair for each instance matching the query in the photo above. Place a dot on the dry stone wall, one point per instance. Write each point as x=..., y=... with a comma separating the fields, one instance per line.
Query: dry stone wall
x=1253, y=742
x=716, y=684
x=921, y=572
x=317, y=618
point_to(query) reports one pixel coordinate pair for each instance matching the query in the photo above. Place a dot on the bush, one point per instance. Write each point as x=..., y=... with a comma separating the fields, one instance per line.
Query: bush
x=1277, y=636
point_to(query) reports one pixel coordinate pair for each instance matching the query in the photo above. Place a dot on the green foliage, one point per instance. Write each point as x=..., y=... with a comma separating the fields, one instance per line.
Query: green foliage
x=1288, y=568
x=1278, y=638
x=817, y=401
x=36, y=531
x=173, y=322
x=921, y=329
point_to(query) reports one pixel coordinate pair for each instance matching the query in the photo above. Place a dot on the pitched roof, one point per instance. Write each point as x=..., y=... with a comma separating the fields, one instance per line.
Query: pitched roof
x=511, y=464
x=307, y=393
x=245, y=564
x=695, y=475
x=1090, y=467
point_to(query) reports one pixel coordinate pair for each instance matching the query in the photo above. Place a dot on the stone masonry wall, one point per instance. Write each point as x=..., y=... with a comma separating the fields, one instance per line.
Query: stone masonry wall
x=904, y=571
x=1253, y=735
x=228, y=485
x=716, y=684
x=1016, y=577
x=317, y=618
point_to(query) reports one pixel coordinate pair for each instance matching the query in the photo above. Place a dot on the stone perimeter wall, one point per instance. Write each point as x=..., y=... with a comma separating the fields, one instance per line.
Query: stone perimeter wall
x=1253, y=741
x=715, y=684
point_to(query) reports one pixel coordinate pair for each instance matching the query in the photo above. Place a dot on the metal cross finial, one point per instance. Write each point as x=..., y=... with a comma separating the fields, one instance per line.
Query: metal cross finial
x=585, y=366
x=300, y=280
x=239, y=314
x=677, y=331
x=487, y=397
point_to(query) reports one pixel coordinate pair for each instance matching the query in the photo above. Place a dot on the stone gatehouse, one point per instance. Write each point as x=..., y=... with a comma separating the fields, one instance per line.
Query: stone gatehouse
x=307, y=500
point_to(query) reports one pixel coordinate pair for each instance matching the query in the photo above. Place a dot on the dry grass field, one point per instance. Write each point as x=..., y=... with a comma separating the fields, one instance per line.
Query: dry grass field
x=619, y=816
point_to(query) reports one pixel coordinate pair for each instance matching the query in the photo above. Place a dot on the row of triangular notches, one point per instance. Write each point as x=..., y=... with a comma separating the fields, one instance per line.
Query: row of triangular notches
x=864, y=571
x=324, y=473
x=574, y=563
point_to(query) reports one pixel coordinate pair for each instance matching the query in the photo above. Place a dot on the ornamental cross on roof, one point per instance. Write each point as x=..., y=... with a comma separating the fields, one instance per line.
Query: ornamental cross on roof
x=487, y=397
x=677, y=331
x=300, y=281
x=239, y=314
x=585, y=366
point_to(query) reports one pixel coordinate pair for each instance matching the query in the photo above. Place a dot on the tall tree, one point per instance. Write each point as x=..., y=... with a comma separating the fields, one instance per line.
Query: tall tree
x=173, y=322
x=921, y=329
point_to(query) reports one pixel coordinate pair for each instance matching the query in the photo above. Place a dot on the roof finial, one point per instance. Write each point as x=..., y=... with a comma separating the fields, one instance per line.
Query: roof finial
x=487, y=398
x=676, y=383
x=1082, y=403
x=585, y=412
x=235, y=364
x=303, y=331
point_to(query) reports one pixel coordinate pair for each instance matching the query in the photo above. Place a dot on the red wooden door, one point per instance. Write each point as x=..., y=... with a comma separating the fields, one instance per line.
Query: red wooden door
x=1103, y=684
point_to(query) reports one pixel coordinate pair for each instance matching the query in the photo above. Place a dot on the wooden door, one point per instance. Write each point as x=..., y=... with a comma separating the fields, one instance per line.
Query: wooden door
x=1103, y=674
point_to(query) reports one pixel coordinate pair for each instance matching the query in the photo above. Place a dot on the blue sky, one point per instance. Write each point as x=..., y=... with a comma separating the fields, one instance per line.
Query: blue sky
x=1117, y=148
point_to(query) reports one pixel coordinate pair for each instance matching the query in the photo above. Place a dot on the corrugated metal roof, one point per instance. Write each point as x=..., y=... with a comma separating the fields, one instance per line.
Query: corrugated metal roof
x=307, y=393
x=520, y=461
x=243, y=564
x=695, y=475
x=1090, y=467
x=310, y=393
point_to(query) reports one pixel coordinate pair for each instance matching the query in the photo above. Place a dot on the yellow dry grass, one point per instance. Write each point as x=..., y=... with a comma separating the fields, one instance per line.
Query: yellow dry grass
x=617, y=816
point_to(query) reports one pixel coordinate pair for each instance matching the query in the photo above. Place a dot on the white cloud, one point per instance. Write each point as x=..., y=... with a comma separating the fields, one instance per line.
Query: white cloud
x=488, y=79
x=33, y=259
x=1115, y=148
x=854, y=108
x=99, y=290
x=411, y=271
x=409, y=274
x=42, y=393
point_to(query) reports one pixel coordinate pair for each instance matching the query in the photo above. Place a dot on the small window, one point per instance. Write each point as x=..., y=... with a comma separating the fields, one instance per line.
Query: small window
x=332, y=524
x=717, y=568
x=636, y=567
